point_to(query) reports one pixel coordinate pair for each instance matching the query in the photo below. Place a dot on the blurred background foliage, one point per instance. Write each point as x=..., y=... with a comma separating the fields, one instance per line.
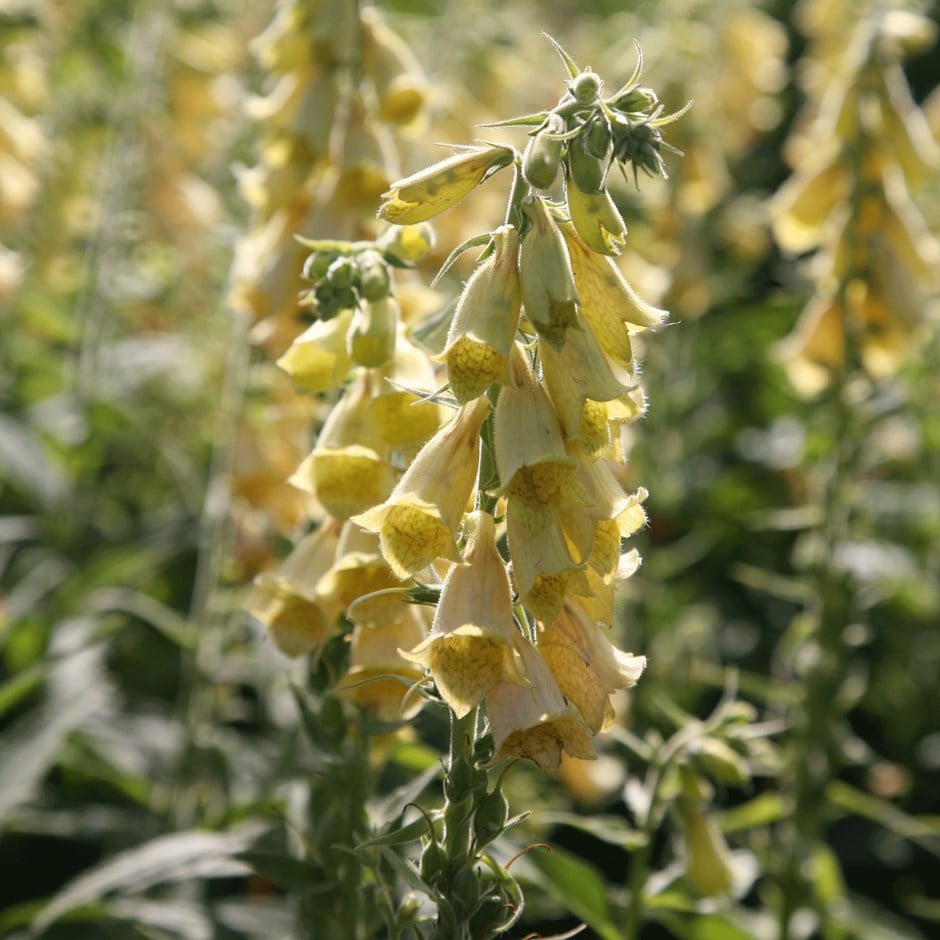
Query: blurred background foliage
x=792, y=563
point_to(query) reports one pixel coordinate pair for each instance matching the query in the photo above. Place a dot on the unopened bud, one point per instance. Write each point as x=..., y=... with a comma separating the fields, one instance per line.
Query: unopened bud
x=542, y=156
x=586, y=87
x=374, y=280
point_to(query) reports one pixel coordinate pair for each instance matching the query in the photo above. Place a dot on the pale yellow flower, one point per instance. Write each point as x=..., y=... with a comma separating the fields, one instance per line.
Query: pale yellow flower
x=286, y=600
x=586, y=665
x=484, y=325
x=346, y=470
x=535, y=722
x=801, y=207
x=471, y=645
x=418, y=522
x=424, y=195
x=548, y=288
x=545, y=568
x=580, y=372
x=317, y=360
x=359, y=570
x=378, y=677
x=609, y=303
x=530, y=452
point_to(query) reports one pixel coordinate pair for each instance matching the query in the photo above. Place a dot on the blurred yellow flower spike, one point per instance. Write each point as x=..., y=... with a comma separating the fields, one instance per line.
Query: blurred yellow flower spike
x=535, y=722
x=530, y=452
x=343, y=471
x=394, y=69
x=372, y=333
x=598, y=220
x=587, y=666
x=317, y=360
x=548, y=289
x=426, y=194
x=709, y=865
x=358, y=571
x=905, y=126
x=418, y=522
x=287, y=600
x=484, y=325
x=608, y=301
x=804, y=204
x=378, y=678
x=471, y=645
x=580, y=373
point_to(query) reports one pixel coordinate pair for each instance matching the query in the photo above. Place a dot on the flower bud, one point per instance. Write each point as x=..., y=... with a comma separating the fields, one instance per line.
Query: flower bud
x=374, y=278
x=585, y=87
x=408, y=243
x=597, y=219
x=428, y=193
x=548, y=288
x=490, y=817
x=586, y=171
x=542, y=156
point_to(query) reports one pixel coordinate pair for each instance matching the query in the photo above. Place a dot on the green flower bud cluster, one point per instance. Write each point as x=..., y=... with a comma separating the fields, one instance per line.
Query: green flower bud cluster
x=584, y=135
x=346, y=276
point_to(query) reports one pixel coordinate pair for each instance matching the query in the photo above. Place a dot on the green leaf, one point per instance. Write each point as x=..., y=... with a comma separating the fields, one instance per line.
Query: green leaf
x=925, y=834
x=610, y=829
x=284, y=870
x=401, y=835
x=30, y=748
x=180, y=856
x=761, y=811
x=580, y=887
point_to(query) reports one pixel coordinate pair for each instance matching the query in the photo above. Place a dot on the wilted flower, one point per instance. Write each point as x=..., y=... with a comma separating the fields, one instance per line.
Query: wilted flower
x=535, y=721
x=424, y=195
x=471, y=645
x=418, y=522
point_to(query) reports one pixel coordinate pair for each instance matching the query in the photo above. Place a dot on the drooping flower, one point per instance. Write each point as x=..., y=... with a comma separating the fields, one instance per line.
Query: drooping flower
x=471, y=645
x=358, y=571
x=347, y=470
x=586, y=665
x=530, y=452
x=378, y=677
x=286, y=600
x=535, y=722
x=548, y=289
x=317, y=360
x=485, y=321
x=418, y=522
